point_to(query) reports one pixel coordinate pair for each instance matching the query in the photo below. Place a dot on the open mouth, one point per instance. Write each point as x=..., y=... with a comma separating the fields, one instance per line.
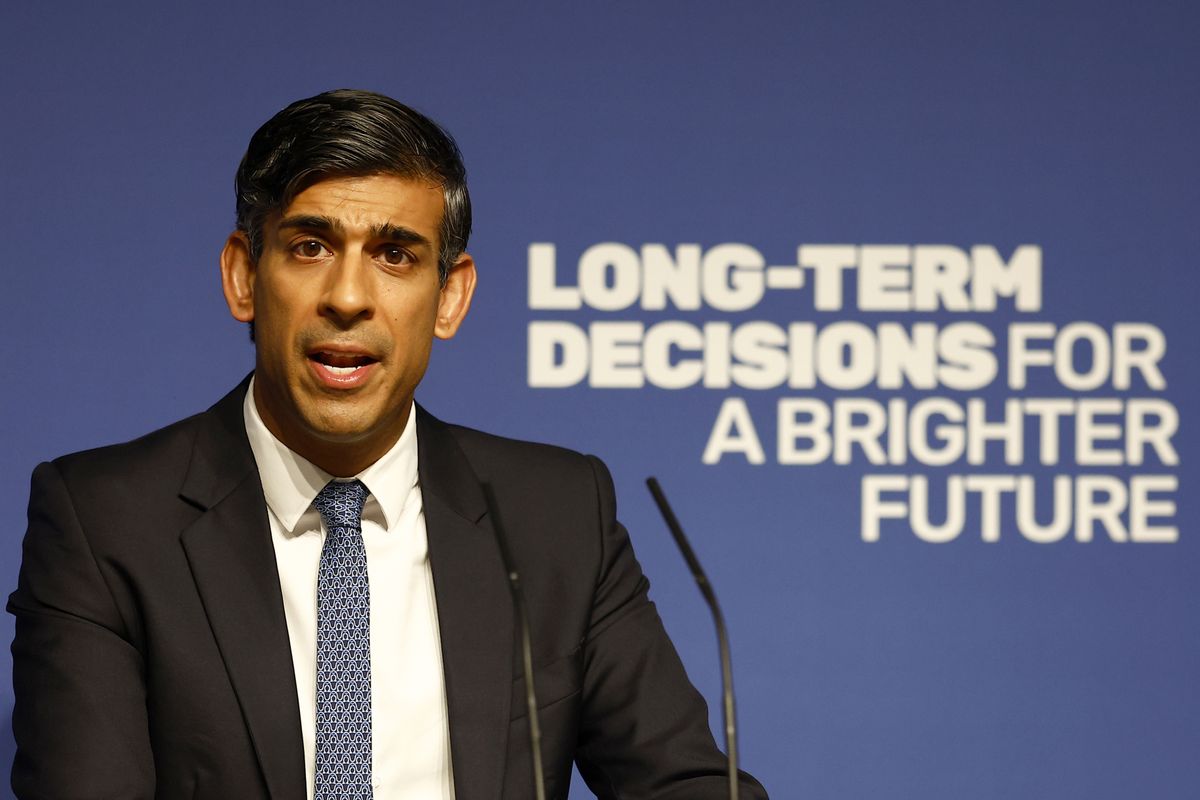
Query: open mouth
x=340, y=362
x=341, y=368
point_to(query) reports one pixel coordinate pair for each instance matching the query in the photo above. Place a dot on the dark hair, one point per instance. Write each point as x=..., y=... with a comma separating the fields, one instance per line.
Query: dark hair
x=350, y=133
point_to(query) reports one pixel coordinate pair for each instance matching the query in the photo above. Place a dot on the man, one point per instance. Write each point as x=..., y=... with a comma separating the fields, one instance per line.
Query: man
x=299, y=593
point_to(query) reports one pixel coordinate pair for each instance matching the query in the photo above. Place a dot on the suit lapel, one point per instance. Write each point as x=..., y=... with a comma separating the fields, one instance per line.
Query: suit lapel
x=233, y=563
x=474, y=612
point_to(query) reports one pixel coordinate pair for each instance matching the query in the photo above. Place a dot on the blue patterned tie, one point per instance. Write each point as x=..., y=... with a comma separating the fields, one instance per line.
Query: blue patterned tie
x=343, y=648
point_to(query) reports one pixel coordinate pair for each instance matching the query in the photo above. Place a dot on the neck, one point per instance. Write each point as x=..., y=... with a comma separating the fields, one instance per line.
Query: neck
x=339, y=462
x=341, y=456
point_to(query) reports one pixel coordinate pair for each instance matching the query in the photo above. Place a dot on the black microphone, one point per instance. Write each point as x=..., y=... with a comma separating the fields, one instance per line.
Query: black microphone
x=518, y=598
x=729, y=712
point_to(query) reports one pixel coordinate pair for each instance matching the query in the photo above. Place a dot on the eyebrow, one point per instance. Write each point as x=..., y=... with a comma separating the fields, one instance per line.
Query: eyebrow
x=385, y=230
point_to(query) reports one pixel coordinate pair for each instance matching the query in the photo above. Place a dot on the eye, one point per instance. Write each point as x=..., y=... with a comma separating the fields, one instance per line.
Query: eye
x=395, y=256
x=310, y=248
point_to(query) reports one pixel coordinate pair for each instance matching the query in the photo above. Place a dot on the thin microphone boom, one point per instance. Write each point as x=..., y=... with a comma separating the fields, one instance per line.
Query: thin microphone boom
x=518, y=597
x=729, y=712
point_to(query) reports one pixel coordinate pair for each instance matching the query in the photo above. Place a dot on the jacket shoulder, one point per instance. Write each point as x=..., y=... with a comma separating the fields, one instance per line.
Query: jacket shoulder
x=494, y=456
x=148, y=459
x=162, y=458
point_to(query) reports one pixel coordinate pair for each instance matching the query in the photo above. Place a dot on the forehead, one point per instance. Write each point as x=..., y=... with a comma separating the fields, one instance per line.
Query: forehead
x=361, y=204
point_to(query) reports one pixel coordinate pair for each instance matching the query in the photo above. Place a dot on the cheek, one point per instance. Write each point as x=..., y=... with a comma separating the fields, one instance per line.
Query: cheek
x=411, y=316
x=417, y=329
x=277, y=304
x=412, y=338
x=274, y=329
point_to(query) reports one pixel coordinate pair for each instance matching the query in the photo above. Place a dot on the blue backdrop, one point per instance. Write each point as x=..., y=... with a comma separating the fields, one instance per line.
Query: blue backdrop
x=901, y=667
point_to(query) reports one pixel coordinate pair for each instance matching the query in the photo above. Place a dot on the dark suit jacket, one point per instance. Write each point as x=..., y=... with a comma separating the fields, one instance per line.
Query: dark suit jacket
x=151, y=656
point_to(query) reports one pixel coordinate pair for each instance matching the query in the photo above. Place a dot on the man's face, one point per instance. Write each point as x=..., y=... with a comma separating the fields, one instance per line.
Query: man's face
x=345, y=301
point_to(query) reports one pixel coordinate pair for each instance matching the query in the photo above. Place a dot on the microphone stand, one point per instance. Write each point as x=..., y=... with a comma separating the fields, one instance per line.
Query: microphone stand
x=518, y=598
x=729, y=712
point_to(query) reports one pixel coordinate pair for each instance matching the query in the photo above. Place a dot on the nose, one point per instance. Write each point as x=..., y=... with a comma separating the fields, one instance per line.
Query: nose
x=348, y=293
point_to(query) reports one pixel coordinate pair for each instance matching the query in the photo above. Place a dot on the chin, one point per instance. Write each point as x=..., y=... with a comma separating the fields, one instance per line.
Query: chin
x=343, y=433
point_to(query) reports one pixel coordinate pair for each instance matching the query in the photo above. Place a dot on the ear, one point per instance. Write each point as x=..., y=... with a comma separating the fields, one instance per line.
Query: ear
x=455, y=297
x=237, y=277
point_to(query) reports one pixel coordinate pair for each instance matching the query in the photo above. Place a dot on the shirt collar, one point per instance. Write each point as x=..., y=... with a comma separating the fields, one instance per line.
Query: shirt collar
x=291, y=483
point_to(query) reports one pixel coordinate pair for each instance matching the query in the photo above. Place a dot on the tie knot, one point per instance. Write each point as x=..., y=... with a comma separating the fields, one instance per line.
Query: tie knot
x=340, y=504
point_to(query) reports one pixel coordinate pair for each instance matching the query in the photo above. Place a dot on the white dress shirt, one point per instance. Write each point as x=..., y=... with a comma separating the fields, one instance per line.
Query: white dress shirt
x=410, y=727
